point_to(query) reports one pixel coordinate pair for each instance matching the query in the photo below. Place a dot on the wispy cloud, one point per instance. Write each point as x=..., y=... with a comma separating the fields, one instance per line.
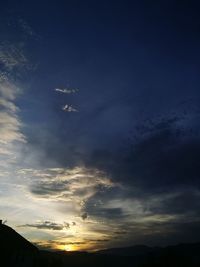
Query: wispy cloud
x=11, y=56
x=6, y=104
x=69, y=108
x=27, y=29
x=47, y=225
x=66, y=90
x=78, y=245
x=10, y=123
x=77, y=184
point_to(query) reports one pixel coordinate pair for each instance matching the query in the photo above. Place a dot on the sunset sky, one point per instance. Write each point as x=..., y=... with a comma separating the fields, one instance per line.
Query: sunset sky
x=100, y=122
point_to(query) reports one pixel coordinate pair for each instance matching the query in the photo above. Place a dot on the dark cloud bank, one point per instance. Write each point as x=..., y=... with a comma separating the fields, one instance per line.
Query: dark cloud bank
x=160, y=159
x=163, y=158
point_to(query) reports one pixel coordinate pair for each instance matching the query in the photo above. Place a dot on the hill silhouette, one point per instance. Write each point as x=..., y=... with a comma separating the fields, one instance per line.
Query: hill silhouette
x=128, y=251
x=10, y=239
x=16, y=251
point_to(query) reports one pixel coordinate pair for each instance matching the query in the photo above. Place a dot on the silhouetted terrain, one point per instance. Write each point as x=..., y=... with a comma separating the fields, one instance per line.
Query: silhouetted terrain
x=16, y=251
x=127, y=251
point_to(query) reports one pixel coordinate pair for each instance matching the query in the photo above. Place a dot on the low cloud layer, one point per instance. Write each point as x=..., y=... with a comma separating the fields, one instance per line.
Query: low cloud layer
x=47, y=225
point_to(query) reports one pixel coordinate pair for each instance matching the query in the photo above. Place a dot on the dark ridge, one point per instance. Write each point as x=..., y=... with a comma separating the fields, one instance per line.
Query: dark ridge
x=16, y=251
x=127, y=251
x=10, y=239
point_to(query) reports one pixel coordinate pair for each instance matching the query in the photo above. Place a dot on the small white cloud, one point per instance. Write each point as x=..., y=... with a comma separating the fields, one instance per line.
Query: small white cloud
x=66, y=90
x=69, y=108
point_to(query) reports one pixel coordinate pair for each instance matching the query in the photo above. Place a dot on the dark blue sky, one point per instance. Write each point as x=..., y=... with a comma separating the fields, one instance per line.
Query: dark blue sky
x=136, y=67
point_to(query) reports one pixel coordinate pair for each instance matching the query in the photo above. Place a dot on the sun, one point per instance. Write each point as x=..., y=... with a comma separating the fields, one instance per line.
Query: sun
x=69, y=247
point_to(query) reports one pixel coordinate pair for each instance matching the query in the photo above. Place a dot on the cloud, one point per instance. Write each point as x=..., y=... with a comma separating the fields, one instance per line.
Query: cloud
x=27, y=29
x=98, y=240
x=11, y=136
x=69, y=108
x=12, y=56
x=3, y=76
x=66, y=90
x=8, y=90
x=47, y=225
x=10, y=123
x=4, y=103
x=184, y=202
x=57, y=244
x=149, y=166
x=71, y=243
x=10, y=128
x=153, y=160
x=84, y=215
x=77, y=183
x=107, y=213
x=143, y=208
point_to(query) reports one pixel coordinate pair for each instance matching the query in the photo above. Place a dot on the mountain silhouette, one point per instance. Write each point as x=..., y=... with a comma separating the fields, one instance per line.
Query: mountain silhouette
x=16, y=251
x=128, y=251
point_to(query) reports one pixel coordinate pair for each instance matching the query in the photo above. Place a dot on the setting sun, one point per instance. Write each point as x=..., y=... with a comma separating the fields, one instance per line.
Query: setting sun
x=70, y=248
x=67, y=247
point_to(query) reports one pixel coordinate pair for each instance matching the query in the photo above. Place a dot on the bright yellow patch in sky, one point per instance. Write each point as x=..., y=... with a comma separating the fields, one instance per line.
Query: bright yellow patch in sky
x=69, y=248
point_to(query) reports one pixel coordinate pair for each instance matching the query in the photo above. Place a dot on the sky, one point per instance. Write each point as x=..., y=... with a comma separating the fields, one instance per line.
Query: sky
x=99, y=122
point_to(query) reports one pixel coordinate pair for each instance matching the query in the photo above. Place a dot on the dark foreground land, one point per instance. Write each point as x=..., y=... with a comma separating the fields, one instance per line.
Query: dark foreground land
x=15, y=251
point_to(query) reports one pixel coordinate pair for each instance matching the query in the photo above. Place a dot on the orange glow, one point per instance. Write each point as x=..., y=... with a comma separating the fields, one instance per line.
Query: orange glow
x=70, y=248
x=67, y=247
x=75, y=247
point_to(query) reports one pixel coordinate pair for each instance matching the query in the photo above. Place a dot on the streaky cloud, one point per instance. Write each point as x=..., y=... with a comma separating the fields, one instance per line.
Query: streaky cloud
x=66, y=90
x=47, y=225
x=69, y=108
x=12, y=56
